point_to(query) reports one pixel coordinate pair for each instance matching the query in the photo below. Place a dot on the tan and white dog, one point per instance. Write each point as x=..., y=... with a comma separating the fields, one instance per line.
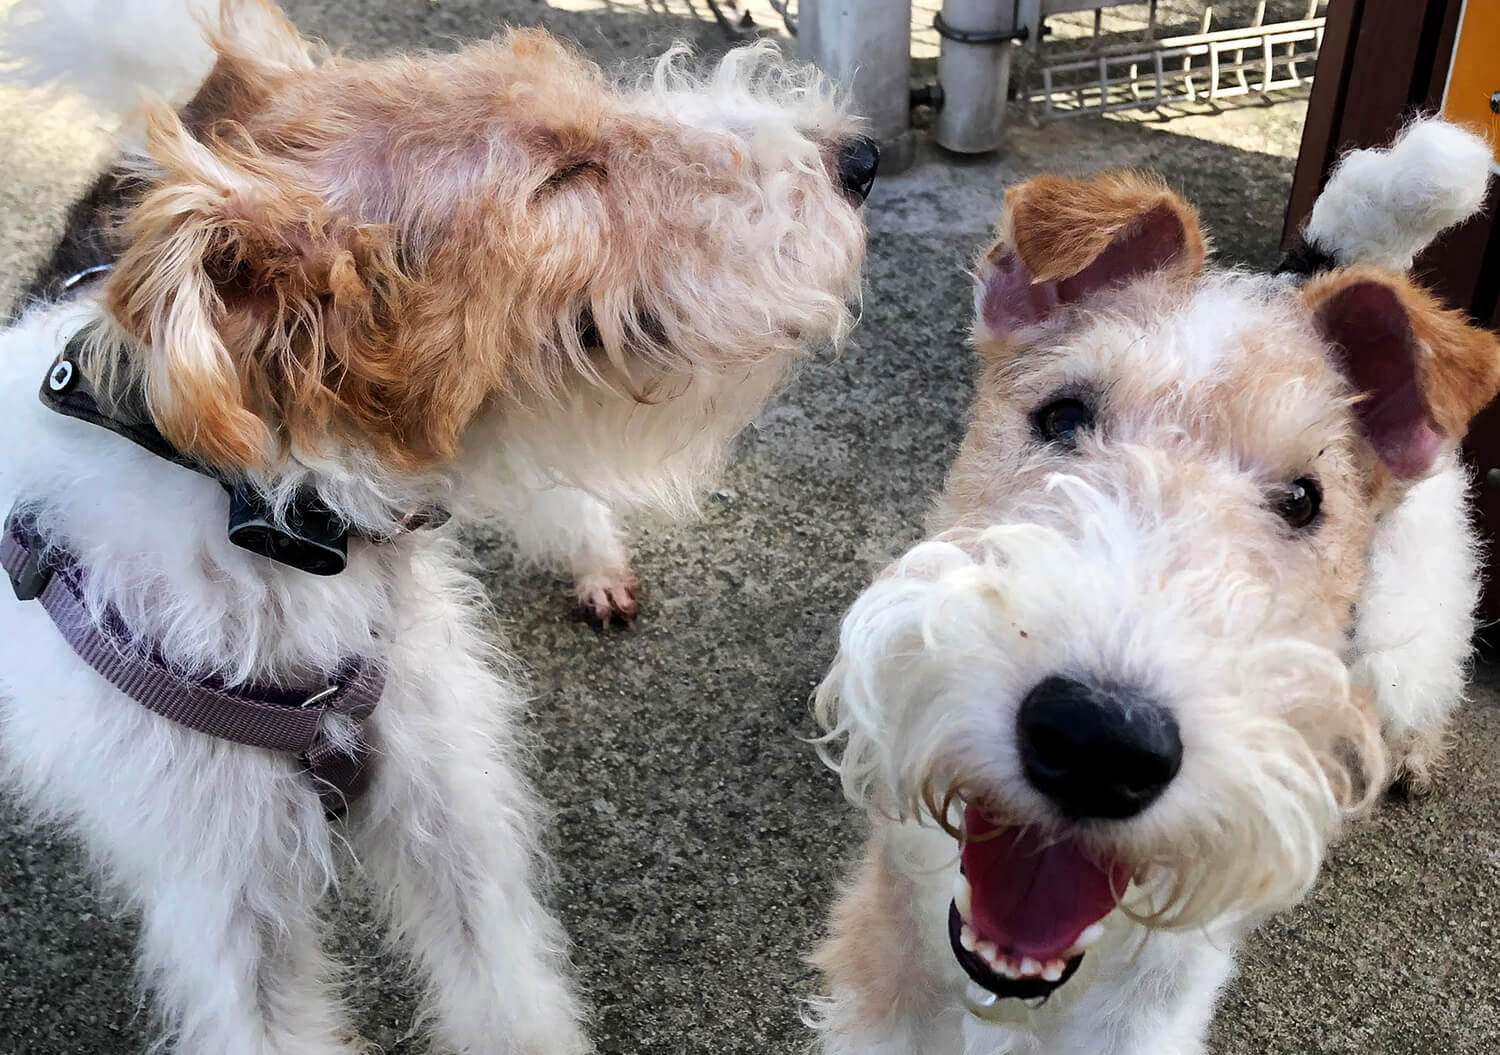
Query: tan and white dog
x=493, y=282
x=1201, y=578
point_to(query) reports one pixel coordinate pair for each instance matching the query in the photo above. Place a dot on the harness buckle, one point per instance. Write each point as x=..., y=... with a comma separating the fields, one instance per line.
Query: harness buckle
x=31, y=578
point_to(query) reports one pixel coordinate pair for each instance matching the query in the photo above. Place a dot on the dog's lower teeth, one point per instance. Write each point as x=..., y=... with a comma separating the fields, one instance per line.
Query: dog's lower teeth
x=1094, y=932
x=1017, y=969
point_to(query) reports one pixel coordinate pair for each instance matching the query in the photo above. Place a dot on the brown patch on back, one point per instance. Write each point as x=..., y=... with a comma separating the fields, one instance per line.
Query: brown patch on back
x=874, y=950
x=1059, y=225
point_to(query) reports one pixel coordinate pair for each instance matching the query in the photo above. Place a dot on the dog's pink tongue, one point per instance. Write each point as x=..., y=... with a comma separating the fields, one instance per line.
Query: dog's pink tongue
x=1032, y=895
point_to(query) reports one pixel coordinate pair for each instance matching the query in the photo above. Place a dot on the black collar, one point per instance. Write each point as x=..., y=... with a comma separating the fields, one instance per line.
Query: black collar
x=1306, y=259
x=308, y=536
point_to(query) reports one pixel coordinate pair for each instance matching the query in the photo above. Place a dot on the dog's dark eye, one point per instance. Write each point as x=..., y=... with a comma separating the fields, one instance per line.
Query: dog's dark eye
x=1299, y=501
x=588, y=333
x=1061, y=420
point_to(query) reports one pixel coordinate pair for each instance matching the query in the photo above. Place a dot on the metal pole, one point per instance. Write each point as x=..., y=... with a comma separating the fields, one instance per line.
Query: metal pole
x=974, y=71
x=865, y=45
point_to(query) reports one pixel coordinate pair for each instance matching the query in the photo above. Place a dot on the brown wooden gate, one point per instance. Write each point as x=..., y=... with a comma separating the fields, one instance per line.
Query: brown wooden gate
x=1381, y=61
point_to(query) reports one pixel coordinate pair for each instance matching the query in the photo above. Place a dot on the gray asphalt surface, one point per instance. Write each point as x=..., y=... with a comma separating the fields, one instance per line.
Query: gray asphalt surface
x=697, y=840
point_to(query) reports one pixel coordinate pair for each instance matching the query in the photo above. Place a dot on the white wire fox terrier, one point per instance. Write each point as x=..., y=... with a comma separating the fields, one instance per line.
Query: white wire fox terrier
x=343, y=295
x=1201, y=575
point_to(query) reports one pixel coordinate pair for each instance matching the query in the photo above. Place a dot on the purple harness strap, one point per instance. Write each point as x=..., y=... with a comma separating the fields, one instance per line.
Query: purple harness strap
x=255, y=715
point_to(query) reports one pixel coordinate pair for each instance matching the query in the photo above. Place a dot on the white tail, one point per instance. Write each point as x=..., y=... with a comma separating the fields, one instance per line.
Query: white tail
x=111, y=52
x=1385, y=206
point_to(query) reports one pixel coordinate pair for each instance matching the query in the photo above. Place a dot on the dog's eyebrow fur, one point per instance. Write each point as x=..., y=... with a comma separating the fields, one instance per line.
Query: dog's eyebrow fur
x=570, y=169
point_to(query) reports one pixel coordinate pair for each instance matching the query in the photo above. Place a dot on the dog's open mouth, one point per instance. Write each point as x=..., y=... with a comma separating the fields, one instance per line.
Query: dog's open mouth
x=1026, y=905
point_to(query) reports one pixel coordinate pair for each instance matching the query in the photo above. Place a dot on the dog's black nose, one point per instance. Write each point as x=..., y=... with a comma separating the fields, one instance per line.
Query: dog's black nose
x=1096, y=752
x=859, y=158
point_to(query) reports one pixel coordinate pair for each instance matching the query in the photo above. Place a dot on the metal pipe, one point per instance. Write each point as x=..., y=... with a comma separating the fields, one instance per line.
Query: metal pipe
x=865, y=46
x=974, y=72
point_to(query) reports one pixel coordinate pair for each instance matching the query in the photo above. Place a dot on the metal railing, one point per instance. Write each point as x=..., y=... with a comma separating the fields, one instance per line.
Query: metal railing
x=1164, y=70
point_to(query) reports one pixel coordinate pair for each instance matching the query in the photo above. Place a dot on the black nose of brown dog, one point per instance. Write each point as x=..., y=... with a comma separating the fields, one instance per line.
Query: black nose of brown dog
x=859, y=158
x=1096, y=753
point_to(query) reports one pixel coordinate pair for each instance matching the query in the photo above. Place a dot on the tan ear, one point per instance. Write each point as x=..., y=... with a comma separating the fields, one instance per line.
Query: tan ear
x=228, y=269
x=1061, y=240
x=1423, y=371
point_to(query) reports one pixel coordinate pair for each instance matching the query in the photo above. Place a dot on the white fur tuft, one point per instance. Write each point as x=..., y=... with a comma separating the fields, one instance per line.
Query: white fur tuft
x=111, y=52
x=1385, y=206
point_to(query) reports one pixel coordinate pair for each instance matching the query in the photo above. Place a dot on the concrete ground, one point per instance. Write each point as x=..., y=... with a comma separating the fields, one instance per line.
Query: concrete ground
x=697, y=839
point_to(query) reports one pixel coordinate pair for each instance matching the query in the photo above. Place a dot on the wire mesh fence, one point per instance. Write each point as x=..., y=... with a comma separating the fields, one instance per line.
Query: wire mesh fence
x=1144, y=54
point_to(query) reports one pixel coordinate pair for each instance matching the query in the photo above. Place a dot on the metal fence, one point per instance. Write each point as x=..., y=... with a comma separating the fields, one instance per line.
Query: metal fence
x=1259, y=57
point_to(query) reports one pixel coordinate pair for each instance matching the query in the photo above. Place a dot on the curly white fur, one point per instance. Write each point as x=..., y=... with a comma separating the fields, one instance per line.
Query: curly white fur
x=968, y=617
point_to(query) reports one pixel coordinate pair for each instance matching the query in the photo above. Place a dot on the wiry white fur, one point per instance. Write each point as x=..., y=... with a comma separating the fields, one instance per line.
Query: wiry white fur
x=749, y=92
x=1412, y=639
x=224, y=849
x=1384, y=206
x=654, y=455
x=933, y=663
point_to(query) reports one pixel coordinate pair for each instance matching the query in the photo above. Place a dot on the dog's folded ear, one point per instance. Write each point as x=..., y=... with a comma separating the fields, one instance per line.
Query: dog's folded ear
x=1062, y=240
x=238, y=286
x=1422, y=371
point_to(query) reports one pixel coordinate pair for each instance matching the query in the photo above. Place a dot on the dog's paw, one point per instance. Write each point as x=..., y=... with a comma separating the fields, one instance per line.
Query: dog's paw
x=1416, y=760
x=609, y=599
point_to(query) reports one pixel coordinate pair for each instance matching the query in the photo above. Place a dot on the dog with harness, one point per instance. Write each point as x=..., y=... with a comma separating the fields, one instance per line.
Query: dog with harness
x=341, y=308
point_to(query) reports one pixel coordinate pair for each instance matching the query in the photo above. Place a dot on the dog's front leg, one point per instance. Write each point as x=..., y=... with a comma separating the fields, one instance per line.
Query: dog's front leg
x=567, y=529
x=224, y=849
x=1415, y=622
x=447, y=835
x=885, y=996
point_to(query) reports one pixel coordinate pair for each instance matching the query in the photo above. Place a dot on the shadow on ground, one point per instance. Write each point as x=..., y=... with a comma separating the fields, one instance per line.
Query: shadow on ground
x=698, y=840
